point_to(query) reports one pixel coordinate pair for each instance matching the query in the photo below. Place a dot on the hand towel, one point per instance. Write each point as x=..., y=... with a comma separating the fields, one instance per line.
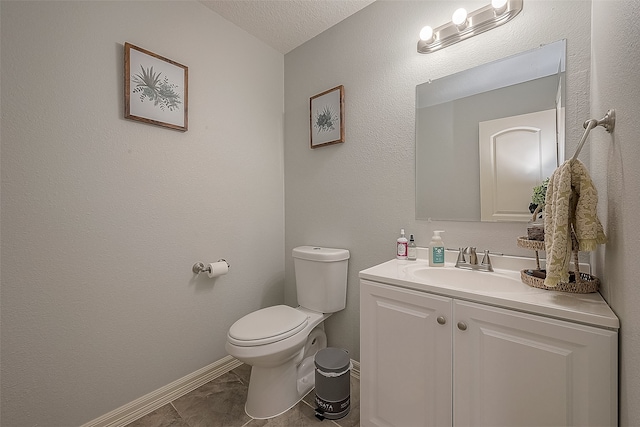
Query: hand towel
x=570, y=204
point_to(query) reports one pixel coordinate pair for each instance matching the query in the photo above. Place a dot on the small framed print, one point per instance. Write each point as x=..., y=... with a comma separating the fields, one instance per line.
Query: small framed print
x=155, y=89
x=327, y=117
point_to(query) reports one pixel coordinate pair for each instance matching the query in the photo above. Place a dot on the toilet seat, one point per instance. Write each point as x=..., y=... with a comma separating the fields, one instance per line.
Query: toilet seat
x=267, y=325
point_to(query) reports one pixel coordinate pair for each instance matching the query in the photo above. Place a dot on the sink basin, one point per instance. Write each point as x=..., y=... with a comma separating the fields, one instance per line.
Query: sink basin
x=452, y=277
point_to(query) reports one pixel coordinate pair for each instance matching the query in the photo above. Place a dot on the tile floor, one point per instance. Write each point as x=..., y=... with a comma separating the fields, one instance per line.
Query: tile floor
x=220, y=403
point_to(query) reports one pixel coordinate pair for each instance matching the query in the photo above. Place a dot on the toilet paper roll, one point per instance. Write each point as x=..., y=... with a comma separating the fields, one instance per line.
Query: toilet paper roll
x=217, y=269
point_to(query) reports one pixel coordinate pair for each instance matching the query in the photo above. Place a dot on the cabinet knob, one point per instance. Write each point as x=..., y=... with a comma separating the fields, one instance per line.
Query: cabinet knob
x=441, y=320
x=462, y=326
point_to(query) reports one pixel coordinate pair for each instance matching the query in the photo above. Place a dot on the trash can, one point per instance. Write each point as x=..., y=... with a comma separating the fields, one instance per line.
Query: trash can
x=333, y=389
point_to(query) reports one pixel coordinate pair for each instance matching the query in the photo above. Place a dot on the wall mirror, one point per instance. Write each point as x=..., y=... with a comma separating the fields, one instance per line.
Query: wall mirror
x=486, y=136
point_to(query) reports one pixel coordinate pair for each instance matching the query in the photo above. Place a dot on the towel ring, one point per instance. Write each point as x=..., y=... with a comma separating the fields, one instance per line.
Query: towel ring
x=608, y=122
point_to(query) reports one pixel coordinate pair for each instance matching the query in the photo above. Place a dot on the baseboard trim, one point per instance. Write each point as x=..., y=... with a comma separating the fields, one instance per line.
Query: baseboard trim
x=150, y=402
x=355, y=370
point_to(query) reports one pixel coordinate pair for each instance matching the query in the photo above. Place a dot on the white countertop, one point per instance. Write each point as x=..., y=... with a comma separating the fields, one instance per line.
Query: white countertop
x=590, y=309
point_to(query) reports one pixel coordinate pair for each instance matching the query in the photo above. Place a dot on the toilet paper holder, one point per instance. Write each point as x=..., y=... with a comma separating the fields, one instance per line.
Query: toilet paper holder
x=199, y=267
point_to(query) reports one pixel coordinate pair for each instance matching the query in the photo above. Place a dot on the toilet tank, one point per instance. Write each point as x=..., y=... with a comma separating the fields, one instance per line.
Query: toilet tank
x=321, y=278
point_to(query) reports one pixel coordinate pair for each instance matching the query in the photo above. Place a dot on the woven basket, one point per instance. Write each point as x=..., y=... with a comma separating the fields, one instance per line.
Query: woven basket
x=580, y=283
x=586, y=283
x=535, y=245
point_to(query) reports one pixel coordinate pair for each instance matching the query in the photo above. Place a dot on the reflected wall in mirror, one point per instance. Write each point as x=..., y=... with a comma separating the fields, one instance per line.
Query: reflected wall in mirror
x=486, y=136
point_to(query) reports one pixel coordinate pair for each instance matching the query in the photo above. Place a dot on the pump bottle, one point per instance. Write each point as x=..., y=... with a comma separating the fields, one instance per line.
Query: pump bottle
x=412, y=250
x=436, y=250
x=401, y=246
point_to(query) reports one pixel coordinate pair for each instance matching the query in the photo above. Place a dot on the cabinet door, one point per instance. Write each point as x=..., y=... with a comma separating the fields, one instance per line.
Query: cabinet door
x=405, y=362
x=516, y=369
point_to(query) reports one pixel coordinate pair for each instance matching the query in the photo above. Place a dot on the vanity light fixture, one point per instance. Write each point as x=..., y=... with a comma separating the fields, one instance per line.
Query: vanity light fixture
x=464, y=25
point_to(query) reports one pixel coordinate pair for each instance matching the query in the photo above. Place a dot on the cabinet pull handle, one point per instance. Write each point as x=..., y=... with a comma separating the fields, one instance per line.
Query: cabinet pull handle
x=441, y=320
x=462, y=326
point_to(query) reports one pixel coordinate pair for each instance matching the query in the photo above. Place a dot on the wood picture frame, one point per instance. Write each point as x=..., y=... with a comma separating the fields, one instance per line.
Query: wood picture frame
x=326, y=117
x=155, y=89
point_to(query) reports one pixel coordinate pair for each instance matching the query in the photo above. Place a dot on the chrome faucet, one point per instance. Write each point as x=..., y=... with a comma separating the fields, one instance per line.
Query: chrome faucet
x=472, y=263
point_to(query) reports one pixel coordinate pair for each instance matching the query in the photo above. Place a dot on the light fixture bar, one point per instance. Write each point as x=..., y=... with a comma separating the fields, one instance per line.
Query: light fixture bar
x=479, y=21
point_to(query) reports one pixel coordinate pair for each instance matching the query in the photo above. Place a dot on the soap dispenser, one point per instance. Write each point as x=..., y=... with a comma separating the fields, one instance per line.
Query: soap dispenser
x=436, y=250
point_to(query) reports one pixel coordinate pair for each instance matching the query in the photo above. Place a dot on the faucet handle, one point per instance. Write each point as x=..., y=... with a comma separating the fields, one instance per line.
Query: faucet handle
x=461, y=259
x=486, y=261
x=471, y=251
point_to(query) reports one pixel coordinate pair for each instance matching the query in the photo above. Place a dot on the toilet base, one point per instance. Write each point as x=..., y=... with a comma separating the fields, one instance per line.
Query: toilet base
x=272, y=391
x=275, y=390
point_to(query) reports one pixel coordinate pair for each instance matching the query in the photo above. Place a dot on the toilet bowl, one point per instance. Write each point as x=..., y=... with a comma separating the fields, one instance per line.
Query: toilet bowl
x=280, y=376
x=280, y=342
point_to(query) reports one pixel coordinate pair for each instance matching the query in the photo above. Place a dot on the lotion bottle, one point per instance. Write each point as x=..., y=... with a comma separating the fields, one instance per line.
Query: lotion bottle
x=412, y=250
x=401, y=246
x=436, y=250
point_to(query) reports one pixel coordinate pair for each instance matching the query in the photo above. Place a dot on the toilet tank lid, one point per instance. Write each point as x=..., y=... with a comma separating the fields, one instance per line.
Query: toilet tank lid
x=317, y=253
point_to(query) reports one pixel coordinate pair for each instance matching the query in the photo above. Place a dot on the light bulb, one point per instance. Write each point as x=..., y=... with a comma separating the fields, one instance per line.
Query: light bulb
x=499, y=6
x=460, y=17
x=426, y=34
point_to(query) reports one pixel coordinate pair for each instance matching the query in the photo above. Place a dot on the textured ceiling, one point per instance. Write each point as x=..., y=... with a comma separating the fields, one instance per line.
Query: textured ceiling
x=285, y=24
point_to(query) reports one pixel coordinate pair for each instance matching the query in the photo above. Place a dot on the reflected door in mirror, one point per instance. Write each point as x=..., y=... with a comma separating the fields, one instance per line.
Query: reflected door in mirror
x=516, y=154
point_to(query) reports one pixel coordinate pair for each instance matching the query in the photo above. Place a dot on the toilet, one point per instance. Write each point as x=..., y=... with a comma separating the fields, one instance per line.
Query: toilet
x=280, y=342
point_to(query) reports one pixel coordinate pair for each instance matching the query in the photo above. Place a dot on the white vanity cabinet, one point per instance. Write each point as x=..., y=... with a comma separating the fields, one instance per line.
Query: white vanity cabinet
x=520, y=369
x=405, y=357
x=432, y=359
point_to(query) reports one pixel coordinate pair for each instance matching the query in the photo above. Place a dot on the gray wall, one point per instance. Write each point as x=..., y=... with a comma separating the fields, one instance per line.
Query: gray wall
x=102, y=218
x=359, y=194
x=615, y=166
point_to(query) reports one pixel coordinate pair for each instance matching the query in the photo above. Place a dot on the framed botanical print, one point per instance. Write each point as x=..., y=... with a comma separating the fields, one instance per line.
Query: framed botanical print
x=327, y=117
x=155, y=89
